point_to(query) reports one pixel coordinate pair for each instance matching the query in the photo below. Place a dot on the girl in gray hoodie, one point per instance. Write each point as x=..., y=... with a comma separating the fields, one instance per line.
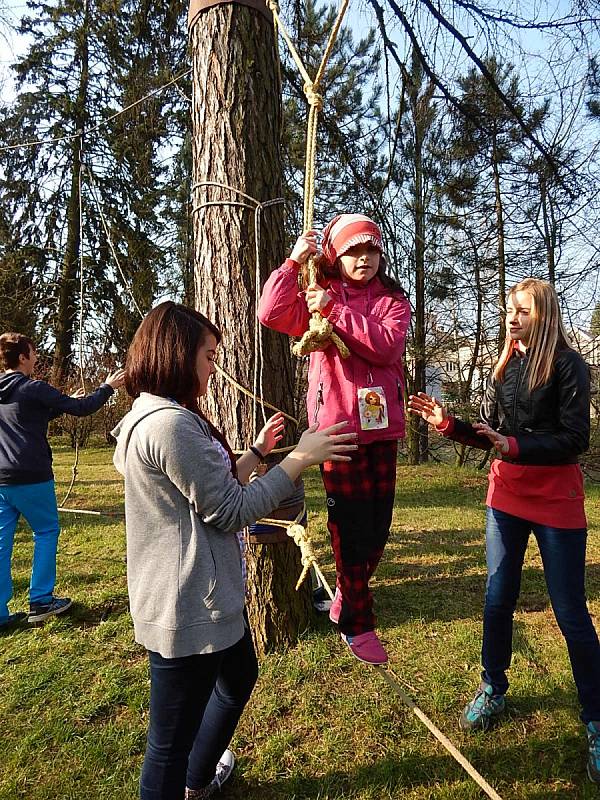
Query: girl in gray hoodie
x=184, y=504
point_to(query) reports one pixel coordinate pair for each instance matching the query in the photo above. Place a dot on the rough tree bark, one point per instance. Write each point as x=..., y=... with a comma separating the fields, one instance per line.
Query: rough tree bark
x=236, y=123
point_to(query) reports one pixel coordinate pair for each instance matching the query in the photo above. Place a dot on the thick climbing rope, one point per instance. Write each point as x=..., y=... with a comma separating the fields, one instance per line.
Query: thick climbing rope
x=320, y=333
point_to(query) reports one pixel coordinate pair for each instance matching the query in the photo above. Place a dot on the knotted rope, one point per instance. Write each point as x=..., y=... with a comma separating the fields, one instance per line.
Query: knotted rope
x=319, y=336
x=301, y=537
x=320, y=333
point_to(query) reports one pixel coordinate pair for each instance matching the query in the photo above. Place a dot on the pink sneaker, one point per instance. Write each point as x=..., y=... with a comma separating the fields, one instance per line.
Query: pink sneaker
x=366, y=647
x=336, y=606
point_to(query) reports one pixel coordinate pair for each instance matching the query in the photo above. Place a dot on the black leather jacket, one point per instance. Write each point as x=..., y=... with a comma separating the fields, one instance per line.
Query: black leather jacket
x=551, y=424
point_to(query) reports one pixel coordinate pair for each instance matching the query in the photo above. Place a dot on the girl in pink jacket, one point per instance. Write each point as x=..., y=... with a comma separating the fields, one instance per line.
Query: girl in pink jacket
x=371, y=314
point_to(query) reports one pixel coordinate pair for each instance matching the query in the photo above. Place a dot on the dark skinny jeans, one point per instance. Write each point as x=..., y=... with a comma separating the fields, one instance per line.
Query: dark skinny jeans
x=563, y=557
x=195, y=705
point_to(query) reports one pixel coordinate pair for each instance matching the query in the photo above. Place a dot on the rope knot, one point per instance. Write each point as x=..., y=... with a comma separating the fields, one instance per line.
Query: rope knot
x=319, y=336
x=313, y=98
x=301, y=538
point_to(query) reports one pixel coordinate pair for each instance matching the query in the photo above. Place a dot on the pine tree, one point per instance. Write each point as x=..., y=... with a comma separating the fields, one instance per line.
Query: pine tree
x=86, y=61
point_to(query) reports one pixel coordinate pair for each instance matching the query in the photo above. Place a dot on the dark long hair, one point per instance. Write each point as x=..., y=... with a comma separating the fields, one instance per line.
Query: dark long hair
x=161, y=359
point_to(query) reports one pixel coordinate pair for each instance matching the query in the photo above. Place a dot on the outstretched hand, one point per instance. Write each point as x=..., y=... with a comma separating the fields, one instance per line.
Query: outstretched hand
x=498, y=441
x=270, y=434
x=115, y=379
x=428, y=408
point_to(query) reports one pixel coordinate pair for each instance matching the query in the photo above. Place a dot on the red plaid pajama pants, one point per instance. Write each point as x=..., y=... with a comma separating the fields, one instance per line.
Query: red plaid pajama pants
x=360, y=502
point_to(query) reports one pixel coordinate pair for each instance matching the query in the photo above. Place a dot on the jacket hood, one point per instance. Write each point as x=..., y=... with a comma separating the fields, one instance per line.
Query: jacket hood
x=143, y=406
x=8, y=381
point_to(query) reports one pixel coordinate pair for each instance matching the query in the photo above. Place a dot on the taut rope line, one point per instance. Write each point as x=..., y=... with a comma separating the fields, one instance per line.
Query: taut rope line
x=320, y=333
x=394, y=682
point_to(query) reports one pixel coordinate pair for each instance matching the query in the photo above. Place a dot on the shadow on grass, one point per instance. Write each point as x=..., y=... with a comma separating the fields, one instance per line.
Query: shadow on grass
x=441, y=575
x=89, y=616
x=536, y=759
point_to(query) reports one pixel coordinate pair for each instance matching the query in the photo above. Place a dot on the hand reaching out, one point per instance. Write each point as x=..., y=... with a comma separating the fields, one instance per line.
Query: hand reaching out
x=270, y=434
x=428, y=408
x=115, y=379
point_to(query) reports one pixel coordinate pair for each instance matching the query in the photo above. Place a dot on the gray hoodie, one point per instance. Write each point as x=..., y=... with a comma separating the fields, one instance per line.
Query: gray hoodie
x=183, y=508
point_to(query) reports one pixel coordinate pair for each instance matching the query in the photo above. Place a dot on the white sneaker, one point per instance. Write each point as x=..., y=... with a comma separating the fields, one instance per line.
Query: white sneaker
x=224, y=768
x=222, y=773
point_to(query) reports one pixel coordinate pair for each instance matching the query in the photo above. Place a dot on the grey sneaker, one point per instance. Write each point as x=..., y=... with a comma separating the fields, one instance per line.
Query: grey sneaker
x=593, y=764
x=41, y=611
x=479, y=714
x=222, y=773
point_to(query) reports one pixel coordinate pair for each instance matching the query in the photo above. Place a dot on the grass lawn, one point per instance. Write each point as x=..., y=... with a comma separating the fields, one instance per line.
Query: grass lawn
x=74, y=692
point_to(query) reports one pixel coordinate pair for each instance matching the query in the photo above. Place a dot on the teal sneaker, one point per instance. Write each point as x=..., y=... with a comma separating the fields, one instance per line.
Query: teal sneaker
x=593, y=765
x=479, y=714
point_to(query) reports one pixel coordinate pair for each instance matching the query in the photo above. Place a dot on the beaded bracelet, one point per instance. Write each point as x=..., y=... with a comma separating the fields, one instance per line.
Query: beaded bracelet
x=256, y=452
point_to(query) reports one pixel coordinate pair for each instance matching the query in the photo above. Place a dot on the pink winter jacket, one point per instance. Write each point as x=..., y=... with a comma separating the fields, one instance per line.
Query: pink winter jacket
x=372, y=321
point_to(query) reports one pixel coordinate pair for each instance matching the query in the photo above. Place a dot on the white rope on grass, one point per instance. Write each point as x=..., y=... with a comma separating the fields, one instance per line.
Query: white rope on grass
x=393, y=681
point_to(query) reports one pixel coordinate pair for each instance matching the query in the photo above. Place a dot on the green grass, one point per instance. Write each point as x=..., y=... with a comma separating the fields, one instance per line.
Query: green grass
x=74, y=692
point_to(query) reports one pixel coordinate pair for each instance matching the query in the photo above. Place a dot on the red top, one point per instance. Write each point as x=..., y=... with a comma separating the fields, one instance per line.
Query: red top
x=550, y=496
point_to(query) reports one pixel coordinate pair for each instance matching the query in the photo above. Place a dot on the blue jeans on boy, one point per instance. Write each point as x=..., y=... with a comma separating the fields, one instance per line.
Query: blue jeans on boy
x=195, y=705
x=37, y=503
x=563, y=557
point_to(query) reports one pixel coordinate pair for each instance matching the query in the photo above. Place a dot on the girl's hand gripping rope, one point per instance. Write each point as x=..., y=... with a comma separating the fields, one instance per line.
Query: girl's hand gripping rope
x=306, y=246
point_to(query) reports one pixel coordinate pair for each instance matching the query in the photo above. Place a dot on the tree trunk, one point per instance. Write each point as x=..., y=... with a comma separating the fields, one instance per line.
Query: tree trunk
x=417, y=428
x=549, y=229
x=67, y=303
x=501, y=254
x=236, y=114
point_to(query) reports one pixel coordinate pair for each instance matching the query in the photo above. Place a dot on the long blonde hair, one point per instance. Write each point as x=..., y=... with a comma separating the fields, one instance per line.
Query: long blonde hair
x=548, y=333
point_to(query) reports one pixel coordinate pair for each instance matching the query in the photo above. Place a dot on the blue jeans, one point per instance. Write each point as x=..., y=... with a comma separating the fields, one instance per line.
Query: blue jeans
x=563, y=557
x=37, y=503
x=195, y=705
